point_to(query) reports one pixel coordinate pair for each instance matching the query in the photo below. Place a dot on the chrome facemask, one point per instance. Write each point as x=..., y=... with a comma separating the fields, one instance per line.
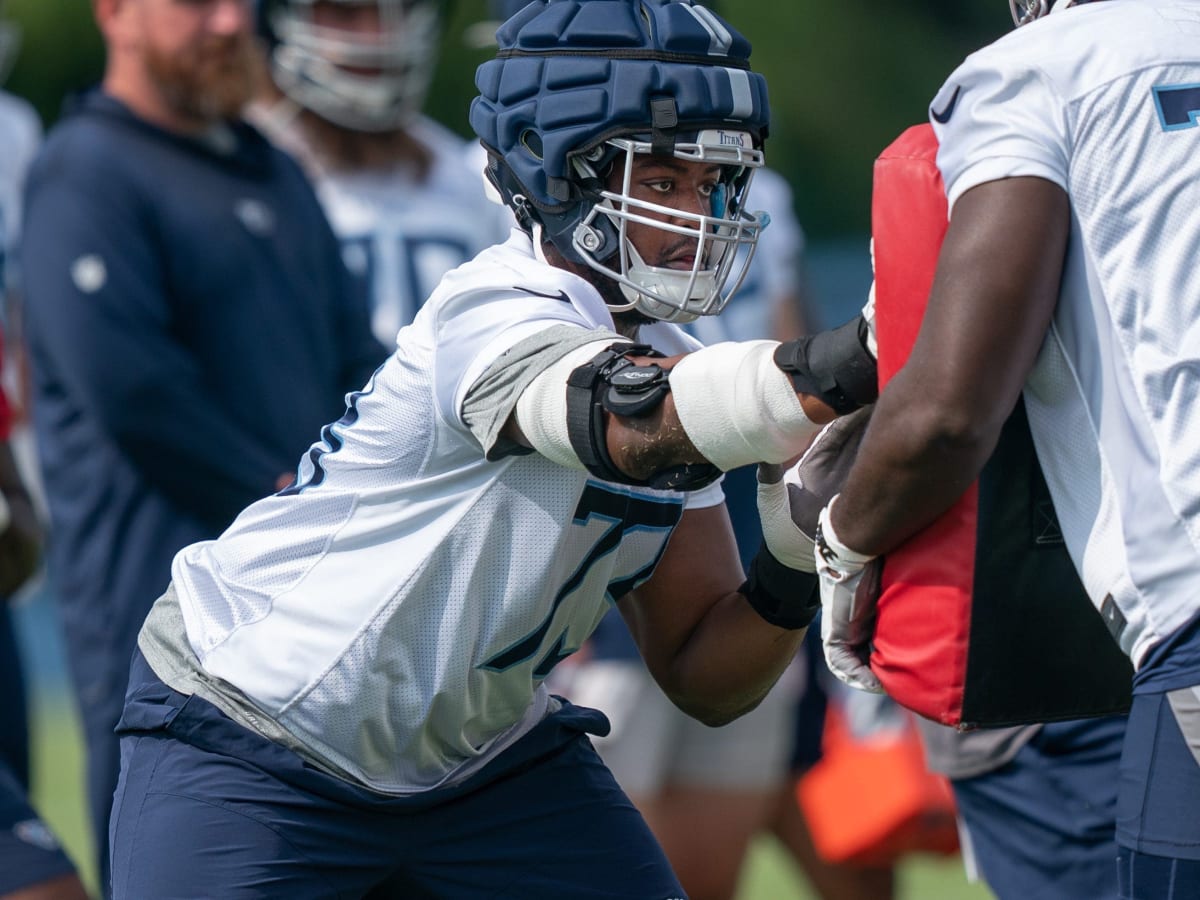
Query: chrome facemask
x=718, y=268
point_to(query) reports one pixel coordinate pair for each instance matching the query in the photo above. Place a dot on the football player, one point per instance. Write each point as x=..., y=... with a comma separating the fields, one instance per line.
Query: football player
x=404, y=194
x=1071, y=158
x=345, y=691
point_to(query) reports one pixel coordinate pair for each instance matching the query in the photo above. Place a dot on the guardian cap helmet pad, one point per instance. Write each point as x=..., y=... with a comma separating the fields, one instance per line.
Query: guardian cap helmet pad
x=577, y=84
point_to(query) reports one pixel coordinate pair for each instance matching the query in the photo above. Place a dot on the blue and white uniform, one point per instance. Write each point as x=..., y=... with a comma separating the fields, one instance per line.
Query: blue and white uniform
x=428, y=663
x=1111, y=398
x=389, y=619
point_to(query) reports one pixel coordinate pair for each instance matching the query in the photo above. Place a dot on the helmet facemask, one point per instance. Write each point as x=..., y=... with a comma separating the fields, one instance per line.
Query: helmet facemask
x=601, y=240
x=361, y=81
x=1025, y=11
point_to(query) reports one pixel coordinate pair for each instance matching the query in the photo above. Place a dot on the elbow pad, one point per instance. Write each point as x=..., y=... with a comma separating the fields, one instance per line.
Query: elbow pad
x=834, y=366
x=568, y=426
x=611, y=382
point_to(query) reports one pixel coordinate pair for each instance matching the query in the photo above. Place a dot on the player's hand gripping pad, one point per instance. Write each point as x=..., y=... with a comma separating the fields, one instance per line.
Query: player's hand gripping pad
x=982, y=619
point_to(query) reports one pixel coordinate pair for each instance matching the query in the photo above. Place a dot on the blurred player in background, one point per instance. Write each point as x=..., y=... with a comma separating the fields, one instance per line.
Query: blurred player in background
x=32, y=863
x=404, y=194
x=190, y=322
x=345, y=691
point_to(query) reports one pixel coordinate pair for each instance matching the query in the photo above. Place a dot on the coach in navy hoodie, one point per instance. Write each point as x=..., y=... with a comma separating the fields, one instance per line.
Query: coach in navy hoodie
x=190, y=323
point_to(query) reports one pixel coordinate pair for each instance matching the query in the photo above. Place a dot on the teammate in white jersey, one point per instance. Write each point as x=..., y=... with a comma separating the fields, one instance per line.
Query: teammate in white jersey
x=404, y=194
x=343, y=694
x=1071, y=157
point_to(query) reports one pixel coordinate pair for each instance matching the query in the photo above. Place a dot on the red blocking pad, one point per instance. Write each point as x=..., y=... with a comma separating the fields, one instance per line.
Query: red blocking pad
x=982, y=620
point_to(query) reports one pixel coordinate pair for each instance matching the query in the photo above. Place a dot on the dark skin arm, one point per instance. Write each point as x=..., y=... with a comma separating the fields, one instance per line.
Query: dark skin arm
x=939, y=418
x=643, y=446
x=711, y=653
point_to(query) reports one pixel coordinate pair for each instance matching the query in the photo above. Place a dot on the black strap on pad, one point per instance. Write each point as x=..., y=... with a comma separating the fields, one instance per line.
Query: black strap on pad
x=611, y=382
x=833, y=366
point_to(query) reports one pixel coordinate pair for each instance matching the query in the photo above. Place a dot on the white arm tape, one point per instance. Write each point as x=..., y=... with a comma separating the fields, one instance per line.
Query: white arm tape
x=542, y=407
x=738, y=407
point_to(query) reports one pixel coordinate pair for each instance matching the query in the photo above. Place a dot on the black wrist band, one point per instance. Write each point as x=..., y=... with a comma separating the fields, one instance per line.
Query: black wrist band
x=783, y=596
x=834, y=366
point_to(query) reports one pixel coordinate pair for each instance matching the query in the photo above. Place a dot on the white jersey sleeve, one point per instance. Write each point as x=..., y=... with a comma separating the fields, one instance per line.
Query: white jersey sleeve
x=1003, y=118
x=501, y=299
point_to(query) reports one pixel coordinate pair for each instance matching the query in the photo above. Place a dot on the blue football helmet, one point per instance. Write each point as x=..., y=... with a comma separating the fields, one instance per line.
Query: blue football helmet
x=580, y=85
x=362, y=82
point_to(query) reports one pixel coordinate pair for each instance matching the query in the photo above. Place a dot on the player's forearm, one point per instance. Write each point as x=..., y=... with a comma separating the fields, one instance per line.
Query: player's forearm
x=642, y=447
x=911, y=471
x=729, y=662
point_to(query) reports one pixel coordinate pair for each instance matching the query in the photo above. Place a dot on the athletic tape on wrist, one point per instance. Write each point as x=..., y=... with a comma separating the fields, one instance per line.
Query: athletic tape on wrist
x=782, y=535
x=737, y=406
x=835, y=560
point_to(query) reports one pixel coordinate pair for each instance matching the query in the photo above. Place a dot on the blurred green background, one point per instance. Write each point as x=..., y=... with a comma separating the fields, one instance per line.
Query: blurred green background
x=845, y=78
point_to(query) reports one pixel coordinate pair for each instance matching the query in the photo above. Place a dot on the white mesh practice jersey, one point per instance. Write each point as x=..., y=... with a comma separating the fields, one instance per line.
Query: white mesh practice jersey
x=397, y=609
x=401, y=236
x=1102, y=99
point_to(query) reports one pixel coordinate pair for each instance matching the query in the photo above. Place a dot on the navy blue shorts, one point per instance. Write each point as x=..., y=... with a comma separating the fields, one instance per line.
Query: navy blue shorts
x=1158, y=809
x=29, y=852
x=207, y=808
x=1041, y=826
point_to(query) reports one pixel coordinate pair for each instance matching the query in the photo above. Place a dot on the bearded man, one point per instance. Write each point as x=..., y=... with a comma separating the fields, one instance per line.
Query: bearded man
x=190, y=324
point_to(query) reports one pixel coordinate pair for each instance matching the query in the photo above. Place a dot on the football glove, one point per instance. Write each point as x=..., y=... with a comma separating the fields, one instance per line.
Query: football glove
x=790, y=502
x=849, y=590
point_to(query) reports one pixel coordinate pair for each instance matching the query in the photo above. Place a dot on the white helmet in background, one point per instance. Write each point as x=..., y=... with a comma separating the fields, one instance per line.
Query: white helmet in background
x=365, y=65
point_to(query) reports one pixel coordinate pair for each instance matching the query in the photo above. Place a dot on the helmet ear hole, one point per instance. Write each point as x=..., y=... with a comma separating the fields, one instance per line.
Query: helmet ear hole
x=532, y=141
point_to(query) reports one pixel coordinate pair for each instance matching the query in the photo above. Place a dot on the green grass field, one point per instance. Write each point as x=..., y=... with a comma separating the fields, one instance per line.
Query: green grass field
x=770, y=875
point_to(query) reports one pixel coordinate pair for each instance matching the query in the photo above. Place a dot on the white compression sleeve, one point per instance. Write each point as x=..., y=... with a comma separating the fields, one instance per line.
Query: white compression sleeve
x=738, y=407
x=542, y=407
